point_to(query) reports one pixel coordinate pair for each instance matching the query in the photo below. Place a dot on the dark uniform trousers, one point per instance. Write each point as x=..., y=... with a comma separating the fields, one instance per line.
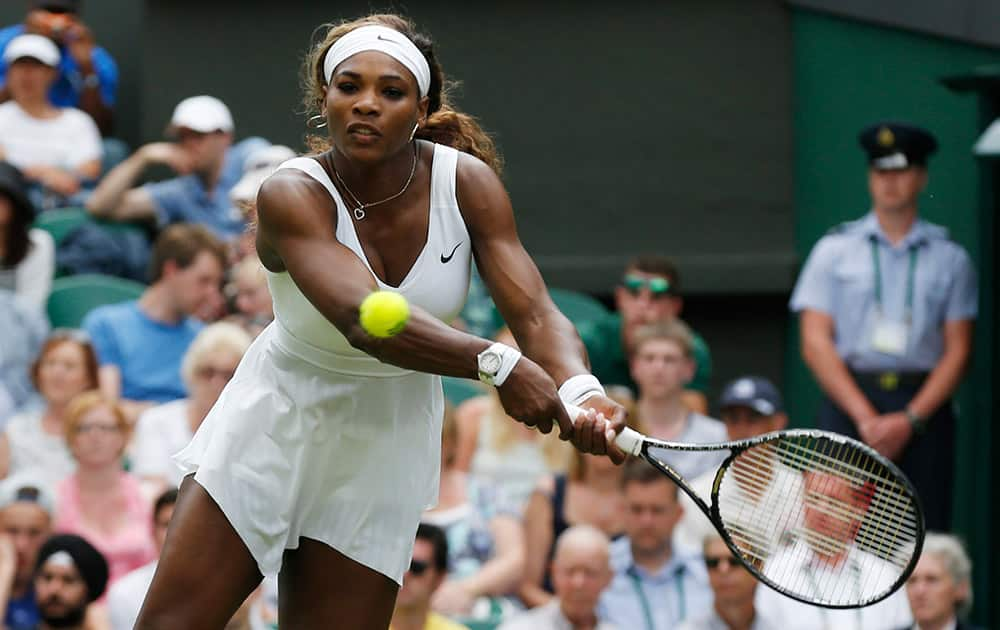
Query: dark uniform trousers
x=928, y=460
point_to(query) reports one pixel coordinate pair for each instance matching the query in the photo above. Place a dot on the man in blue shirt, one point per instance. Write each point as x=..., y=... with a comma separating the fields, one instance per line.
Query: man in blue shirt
x=88, y=75
x=656, y=584
x=206, y=161
x=887, y=305
x=140, y=344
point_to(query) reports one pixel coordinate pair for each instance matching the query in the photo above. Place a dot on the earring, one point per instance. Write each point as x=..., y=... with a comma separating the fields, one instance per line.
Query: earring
x=414, y=132
x=314, y=122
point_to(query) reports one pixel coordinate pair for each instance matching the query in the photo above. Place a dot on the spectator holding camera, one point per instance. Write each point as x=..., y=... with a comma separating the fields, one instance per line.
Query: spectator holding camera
x=86, y=74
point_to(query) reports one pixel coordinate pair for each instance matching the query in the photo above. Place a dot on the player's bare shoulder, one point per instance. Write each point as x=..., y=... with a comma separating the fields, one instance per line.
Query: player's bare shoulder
x=291, y=204
x=481, y=195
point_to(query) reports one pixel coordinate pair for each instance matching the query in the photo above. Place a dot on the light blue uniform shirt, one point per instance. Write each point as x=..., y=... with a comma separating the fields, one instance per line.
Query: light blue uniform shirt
x=679, y=590
x=148, y=353
x=185, y=200
x=839, y=279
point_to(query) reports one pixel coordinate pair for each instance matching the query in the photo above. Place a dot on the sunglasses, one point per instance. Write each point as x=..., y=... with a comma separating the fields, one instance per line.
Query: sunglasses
x=417, y=567
x=713, y=562
x=658, y=287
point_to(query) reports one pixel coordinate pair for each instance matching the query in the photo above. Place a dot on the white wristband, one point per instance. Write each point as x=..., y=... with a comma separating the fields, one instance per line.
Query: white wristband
x=579, y=388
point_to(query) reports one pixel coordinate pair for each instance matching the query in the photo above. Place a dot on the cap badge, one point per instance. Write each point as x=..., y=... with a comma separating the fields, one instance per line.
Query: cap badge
x=744, y=388
x=885, y=137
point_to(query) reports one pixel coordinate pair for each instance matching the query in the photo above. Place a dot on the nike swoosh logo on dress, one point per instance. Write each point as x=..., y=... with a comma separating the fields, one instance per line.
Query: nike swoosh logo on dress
x=445, y=259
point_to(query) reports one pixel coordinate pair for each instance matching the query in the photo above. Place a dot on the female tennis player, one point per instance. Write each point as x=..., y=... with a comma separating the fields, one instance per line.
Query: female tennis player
x=323, y=450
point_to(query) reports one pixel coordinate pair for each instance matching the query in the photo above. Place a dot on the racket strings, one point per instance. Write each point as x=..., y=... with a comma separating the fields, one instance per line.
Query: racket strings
x=820, y=519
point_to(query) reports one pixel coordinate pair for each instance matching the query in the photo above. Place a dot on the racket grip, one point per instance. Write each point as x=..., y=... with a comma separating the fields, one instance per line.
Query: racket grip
x=629, y=440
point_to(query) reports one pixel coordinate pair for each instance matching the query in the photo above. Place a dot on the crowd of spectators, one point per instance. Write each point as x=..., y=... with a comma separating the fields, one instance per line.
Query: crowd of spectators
x=528, y=533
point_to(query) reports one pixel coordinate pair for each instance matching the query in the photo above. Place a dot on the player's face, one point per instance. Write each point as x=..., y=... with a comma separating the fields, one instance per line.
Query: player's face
x=896, y=189
x=99, y=439
x=730, y=580
x=62, y=373
x=933, y=592
x=660, y=368
x=579, y=574
x=372, y=104
x=27, y=526
x=29, y=79
x=421, y=579
x=651, y=512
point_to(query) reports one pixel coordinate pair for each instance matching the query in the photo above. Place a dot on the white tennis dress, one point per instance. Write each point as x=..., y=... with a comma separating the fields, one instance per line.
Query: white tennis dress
x=314, y=438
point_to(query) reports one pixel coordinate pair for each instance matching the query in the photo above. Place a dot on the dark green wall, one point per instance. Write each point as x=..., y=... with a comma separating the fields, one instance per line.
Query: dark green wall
x=847, y=75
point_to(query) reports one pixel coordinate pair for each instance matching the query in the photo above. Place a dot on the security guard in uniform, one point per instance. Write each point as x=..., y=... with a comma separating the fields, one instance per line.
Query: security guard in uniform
x=887, y=306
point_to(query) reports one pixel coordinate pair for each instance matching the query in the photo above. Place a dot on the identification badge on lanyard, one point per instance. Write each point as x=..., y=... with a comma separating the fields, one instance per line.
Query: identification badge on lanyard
x=890, y=337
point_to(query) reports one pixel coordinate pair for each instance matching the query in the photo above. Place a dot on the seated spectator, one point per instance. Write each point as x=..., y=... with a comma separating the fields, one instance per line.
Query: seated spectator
x=126, y=595
x=485, y=541
x=827, y=541
x=749, y=406
x=57, y=148
x=940, y=587
x=34, y=441
x=580, y=572
x=140, y=343
x=27, y=254
x=661, y=364
x=101, y=501
x=588, y=494
x=428, y=569
x=258, y=166
x=26, y=507
x=165, y=429
x=733, y=588
x=650, y=292
x=70, y=575
x=206, y=161
x=87, y=75
x=254, y=307
x=656, y=584
x=22, y=332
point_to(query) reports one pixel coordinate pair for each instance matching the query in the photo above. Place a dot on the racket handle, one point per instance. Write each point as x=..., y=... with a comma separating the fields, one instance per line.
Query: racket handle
x=629, y=440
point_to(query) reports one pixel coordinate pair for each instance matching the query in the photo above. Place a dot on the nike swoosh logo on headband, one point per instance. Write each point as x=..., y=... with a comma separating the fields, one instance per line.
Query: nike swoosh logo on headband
x=447, y=258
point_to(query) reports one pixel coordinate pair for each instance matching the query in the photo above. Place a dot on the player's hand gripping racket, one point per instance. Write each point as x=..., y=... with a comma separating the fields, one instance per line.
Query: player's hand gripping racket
x=814, y=515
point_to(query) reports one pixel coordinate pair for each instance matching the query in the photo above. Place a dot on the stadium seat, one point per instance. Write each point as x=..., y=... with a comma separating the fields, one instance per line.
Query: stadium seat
x=73, y=297
x=577, y=306
x=458, y=390
x=61, y=222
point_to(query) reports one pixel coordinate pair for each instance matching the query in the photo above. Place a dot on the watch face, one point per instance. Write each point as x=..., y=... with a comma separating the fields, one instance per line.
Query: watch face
x=489, y=362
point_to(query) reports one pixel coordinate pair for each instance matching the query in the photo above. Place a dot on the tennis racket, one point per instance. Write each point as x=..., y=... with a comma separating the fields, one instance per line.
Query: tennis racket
x=814, y=515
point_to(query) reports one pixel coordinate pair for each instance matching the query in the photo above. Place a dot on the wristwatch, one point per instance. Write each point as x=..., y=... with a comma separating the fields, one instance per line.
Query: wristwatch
x=490, y=360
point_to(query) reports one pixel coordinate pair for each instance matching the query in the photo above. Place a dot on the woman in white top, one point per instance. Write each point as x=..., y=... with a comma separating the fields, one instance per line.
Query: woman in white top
x=323, y=451
x=27, y=254
x=57, y=148
x=34, y=440
x=161, y=431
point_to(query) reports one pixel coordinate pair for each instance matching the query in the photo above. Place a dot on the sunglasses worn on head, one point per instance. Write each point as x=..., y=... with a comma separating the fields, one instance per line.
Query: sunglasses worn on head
x=417, y=567
x=713, y=562
x=658, y=287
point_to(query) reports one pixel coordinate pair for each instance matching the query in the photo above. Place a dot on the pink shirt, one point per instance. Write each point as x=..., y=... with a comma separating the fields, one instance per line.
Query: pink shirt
x=131, y=546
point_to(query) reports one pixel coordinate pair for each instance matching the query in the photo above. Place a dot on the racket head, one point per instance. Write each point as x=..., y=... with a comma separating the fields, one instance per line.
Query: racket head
x=818, y=517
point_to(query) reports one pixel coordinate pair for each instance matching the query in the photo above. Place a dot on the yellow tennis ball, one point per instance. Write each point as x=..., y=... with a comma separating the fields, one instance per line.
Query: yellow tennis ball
x=384, y=313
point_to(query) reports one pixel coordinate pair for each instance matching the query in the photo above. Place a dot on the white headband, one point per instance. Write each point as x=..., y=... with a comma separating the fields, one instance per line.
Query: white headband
x=385, y=40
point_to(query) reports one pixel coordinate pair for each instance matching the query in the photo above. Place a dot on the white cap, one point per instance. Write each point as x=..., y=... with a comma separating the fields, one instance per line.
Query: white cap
x=258, y=166
x=34, y=46
x=203, y=114
x=26, y=488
